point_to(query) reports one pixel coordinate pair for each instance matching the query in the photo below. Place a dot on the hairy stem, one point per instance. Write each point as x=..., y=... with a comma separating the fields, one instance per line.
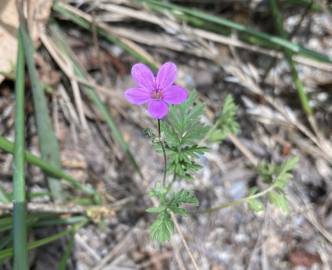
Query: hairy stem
x=169, y=186
x=164, y=153
x=239, y=201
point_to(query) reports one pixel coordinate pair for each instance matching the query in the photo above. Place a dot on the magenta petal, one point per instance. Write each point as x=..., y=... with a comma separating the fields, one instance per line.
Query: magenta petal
x=157, y=109
x=166, y=75
x=143, y=76
x=137, y=96
x=175, y=94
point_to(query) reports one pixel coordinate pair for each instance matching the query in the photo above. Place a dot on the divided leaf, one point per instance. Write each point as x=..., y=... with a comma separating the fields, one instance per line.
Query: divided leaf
x=184, y=196
x=277, y=176
x=179, y=198
x=182, y=131
x=279, y=200
x=183, y=125
x=284, y=172
x=183, y=161
x=255, y=204
x=226, y=123
x=163, y=227
x=159, y=192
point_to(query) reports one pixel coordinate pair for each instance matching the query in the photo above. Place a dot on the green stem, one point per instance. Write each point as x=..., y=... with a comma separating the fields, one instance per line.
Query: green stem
x=171, y=183
x=164, y=153
x=19, y=211
x=239, y=201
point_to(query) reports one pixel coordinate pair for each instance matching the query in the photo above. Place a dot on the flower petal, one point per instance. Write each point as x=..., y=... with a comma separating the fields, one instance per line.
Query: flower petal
x=143, y=76
x=166, y=75
x=137, y=96
x=157, y=109
x=175, y=94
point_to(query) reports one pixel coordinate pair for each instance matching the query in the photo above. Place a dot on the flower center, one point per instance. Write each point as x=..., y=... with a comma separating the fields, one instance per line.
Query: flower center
x=157, y=94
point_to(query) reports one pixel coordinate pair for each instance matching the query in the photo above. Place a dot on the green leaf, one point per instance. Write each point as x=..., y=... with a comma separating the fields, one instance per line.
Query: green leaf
x=255, y=205
x=163, y=227
x=155, y=209
x=267, y=171
x=183, y=130
x=183, y=125
x=184, y=196
x=289, y=165
x=226, y=123
x=158, y=191
x=279, y=200
x=217, y=135
x=279, y=175
x=284, y=172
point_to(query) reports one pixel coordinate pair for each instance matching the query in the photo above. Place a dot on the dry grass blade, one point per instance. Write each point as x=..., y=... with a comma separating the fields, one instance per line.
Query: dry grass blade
x=189, y=15
x=170, y=42
x=245, y=80
x=66, y=59
x=86, y=21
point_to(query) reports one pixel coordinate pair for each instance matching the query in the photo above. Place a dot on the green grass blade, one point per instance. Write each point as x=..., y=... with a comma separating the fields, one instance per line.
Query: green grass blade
x=4, y=198
x=94, y=97
x=7, y=253
x=5, y=242
x=19, y=211
x=189, y=14
x=49, y=169
x=37, y=220
x=67, y=253
x=302, y=3
x=52, y=221
x=47, y=141
x=278, y=20
x=6, y=223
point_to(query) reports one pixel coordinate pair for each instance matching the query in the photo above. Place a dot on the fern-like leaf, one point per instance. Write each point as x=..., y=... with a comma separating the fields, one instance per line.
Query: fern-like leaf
x=226, y=122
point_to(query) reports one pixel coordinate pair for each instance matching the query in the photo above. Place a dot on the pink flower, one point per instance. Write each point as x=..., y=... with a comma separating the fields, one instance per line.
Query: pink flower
x=158, y=92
